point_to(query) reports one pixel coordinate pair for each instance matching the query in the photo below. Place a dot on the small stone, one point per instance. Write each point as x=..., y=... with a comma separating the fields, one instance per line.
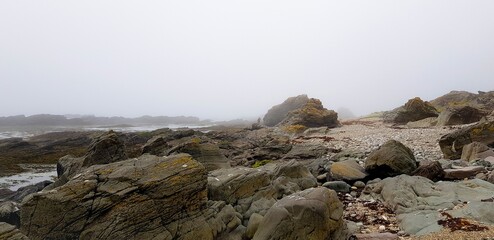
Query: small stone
x=382, y=228
x=359, y=184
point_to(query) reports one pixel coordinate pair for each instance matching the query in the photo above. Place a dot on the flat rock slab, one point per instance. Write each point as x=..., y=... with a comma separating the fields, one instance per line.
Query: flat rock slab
x=462, y=173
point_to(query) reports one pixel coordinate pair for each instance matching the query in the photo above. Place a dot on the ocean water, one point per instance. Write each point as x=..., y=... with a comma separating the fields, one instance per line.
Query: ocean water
x=35, y=173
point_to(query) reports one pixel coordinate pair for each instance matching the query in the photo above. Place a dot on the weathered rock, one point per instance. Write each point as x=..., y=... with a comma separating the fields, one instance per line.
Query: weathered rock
x=9, y=213
x=433, y=171
x=462, y=173
x=156, y=146
x=256, y=190
x=306, y=151
x=391, y=159
x=476, y=150
x=338, y=186
x=277, y=113
x=457, y=99
x=416, y=199
x=149, y=197
x=105, y=149
x=206, y=153
x=9, y=232
x=254, y=221
x=314, y=213
x=349, y=170
x=415, y=109
x=460, y=115
x=311, y=115
x=423, y=123
x=452, y=144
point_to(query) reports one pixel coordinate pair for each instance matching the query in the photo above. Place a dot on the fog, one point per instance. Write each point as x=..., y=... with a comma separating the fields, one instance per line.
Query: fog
x=235, y=59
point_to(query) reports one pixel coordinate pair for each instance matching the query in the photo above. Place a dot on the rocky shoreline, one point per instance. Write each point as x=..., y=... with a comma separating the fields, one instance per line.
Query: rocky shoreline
x=309, y=176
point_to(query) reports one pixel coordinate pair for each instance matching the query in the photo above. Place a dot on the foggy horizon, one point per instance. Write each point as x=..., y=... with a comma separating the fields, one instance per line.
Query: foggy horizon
x=224, y=60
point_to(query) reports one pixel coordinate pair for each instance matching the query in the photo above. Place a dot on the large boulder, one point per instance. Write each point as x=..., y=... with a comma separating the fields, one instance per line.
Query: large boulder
x=415, y=109
x=311, y=115
x=106, y=148
x=460, y=115
x=146, y=198
x=255, y=190
x=458, y=99
x=452, y=144
x=416, y=200
x=391, y=159
x=277, y=113
x=314, y=213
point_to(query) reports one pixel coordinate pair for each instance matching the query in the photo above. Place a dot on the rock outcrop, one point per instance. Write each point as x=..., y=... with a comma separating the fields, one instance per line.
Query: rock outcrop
x=391, y=159
x=314, y=213
x=452, y=144
x=146, y=198
x=416, y=201
x=311, y=115
x=457, y=99
x=460, y=115
x=206, y=153
x=277, y=113
x=415, y=109
x=255, y=190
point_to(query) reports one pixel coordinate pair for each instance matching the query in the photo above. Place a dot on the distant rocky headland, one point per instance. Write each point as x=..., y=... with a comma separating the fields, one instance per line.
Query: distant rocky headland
x=424, y=170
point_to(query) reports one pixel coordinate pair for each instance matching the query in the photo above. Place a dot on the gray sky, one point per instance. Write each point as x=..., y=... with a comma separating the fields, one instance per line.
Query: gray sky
x=228, y=59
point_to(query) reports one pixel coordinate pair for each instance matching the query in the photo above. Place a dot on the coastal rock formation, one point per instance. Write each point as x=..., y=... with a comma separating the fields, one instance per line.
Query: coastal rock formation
x=452, y=144
x=417, y=200
x=277, y=113
x=415, y=109
x=455, y=99
x=391, y=159
x=146, y=198
x=255, y=190
x=314, y=213
x=460, y=115
x=206, y=153
x=311, y=115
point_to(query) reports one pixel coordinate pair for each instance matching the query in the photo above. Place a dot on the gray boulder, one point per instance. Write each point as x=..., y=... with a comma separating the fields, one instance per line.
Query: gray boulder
x=338, y=186
x=255, y=190
x=391, y=159
x=416, y=200
x=349, y=170
x=146, y=198
x=314, y=213
x=277, y=113
x=452, y=144
x=460, y=115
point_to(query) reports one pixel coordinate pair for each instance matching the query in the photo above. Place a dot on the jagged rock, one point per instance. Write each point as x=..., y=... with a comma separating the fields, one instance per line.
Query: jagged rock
x=391, y=159
x=476, y=150
x=311, y=115
x=457, y=99
x=156, y=146
x=433, y=171
x=415, y=109
x=460, y=115
x=452, y=144
x=144, y=198
x=105, y=149
x=416, y=200
x=314, y=213
x=206, y=153
x=462, y=173
x=277, y=113
x=255, y=190
x=9, y=232
x=349, y=170
x=9, y=213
